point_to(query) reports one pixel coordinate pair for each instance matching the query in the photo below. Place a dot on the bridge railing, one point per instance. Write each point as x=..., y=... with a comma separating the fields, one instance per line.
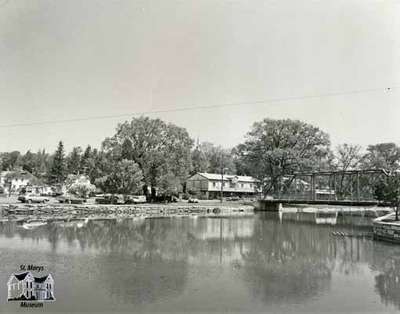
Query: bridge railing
x=327, y=197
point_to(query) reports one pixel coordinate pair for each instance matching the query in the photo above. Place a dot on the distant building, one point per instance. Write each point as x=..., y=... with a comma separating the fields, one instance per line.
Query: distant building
x=25, y=286
x=15, y=181
x=208, y=185
x=39, y=189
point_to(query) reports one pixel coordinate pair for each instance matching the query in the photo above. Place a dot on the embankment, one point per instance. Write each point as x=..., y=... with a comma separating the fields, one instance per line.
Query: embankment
x=65, y=211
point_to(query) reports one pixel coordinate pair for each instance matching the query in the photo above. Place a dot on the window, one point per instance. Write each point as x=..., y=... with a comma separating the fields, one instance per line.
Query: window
x=214, y=184
x=241, y=185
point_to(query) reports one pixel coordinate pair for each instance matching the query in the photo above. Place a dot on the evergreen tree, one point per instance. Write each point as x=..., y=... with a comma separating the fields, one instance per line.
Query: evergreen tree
x=58, y=168
x=86, y=160
x=74, y=161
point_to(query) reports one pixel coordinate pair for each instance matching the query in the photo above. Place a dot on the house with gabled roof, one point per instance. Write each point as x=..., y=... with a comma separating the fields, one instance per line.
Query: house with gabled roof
x=15, y=181
x=25, y=286
x=209, y=185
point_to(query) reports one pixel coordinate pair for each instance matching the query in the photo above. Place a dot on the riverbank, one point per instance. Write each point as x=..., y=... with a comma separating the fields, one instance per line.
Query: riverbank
x=364, y=211
x=54, y=211
x=65, y=211
x=386, y=228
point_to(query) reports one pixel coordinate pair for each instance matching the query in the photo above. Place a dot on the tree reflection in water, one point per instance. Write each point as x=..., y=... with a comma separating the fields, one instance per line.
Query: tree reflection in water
x=287, y=262
x=279, y=261
x=386, y=261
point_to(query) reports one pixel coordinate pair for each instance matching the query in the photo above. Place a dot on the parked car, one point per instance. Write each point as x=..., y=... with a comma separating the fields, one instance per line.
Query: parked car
x=70, y=199
x=165, y=199
x=32, y=198
x=135, y=199
x=193, y=200
x=110, y=199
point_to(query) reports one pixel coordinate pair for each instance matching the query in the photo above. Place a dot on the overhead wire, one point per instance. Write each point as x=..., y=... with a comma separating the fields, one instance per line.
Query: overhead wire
x=202, y=107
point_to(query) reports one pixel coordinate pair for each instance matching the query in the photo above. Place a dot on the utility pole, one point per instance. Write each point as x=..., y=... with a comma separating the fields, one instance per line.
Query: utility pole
x=222, y=184
x=313, y=190
x=222, y=177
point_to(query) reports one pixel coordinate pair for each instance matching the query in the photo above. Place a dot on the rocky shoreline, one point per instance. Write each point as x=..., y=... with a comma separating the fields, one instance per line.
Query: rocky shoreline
x=65, y=212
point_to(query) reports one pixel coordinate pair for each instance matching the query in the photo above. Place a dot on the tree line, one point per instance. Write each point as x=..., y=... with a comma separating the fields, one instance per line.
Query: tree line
x=147, y=152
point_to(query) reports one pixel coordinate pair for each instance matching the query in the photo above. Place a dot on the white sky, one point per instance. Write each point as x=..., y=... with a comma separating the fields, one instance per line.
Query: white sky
x=76, y=59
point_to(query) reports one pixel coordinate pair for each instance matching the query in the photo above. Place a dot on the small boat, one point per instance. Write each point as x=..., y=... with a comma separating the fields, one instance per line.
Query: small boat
x=73, y=223
x=33, y=223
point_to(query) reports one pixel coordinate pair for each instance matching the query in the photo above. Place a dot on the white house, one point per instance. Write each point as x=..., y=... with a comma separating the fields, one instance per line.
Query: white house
x=25, y=286
x=15, y=180
x=209, y=185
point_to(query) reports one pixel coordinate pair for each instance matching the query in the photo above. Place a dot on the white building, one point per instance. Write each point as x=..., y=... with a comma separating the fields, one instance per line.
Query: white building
x=25, y=286
x=209, y=185
x=15, y=180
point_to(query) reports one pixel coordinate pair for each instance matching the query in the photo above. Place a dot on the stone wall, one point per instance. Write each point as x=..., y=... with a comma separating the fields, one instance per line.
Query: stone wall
x=387, y=231
x=65, y=211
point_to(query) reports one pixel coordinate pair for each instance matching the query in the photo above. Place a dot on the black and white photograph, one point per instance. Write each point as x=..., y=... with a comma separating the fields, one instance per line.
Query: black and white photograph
x=200, y=156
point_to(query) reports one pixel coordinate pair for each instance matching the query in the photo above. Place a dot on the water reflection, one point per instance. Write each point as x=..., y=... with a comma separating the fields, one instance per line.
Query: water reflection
x=386, y=261
x=287, y=259
x=286, y=263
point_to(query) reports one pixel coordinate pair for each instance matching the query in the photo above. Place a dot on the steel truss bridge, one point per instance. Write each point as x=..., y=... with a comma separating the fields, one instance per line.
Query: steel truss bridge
x=336, y=187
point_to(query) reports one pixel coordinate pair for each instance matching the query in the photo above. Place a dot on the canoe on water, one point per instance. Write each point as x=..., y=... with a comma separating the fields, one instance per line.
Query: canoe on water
x=32, y=224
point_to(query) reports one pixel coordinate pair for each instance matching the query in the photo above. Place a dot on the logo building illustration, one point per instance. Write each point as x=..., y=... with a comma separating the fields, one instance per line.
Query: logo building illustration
x=25, y=286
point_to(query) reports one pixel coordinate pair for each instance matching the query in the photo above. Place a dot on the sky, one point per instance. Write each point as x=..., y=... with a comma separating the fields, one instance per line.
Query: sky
x=67, y=60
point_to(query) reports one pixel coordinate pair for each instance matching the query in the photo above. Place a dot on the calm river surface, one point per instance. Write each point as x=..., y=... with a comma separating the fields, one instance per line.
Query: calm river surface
x=260, y=263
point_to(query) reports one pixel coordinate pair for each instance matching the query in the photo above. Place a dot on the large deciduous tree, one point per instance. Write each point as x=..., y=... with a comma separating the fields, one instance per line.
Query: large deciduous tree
x=124, y=178
x=207, y=157
x=42, y=164
x=28, y=162
x=388, y=189
x=11, y=160
x=347, y=157
x=276, y=148
x=162, y=151
x=79, y=185
x=200, y=161
x=382, y=155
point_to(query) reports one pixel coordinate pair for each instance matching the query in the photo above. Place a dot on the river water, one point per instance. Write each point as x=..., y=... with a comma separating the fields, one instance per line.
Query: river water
x=290, y=263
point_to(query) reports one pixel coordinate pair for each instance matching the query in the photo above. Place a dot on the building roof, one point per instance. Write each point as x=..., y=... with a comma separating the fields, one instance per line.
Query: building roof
x=40, y=279
x=217, y=176
x=37, y=279
x=21, y=276
x=18, y=175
